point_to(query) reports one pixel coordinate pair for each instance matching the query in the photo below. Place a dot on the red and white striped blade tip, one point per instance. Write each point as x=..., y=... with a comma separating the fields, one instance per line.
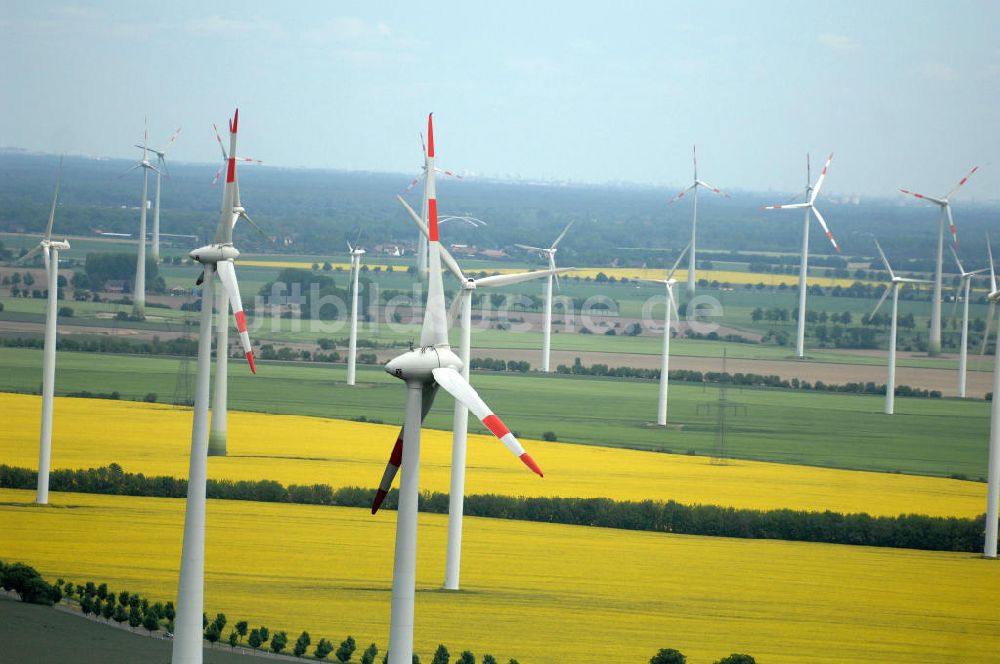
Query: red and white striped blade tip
x=235, y=121
x=253, y=367
x=530, y=463
x=430, y=134
x=379, y=498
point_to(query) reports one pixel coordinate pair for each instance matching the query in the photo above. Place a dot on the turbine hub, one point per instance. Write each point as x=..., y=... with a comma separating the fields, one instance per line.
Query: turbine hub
x=418, y=363
x=214, y=253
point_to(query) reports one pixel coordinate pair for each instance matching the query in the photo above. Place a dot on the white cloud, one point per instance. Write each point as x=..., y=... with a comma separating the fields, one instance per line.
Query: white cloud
x=939, y=71
x=224, y=25
x=838, y=42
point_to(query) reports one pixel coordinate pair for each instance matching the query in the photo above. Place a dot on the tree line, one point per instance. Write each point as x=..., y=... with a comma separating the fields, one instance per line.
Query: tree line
x=741, y=380
x=99, y=601
x=908, y=531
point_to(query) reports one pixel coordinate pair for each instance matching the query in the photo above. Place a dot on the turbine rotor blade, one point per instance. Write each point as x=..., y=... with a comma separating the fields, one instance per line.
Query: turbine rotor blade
x=961, y=183
x=993, y=271
x=670, y=275
x=951, y=226
x=37, y=249
x=885, y=294
x=227, y=275
x=55, y=198
x=455, y=384
x=819, y=182
x=681, y=195
x=499, y=280
x=790, y=206
x=885, y=261
x=961, y=270
x=711, y=188
x=396, y=457
x=561, y=236
x=826, y=229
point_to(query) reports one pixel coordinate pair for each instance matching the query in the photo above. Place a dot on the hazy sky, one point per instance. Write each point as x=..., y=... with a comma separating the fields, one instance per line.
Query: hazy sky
x=905, y=93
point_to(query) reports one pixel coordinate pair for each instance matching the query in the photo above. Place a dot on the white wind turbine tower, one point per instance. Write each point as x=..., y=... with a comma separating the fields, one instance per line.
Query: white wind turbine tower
x=219, y=431
x=422, y=246
x=352, y=352
x=49, y=249
x=810, y=207
x=669, y=282
x=944, y=203
x=425, y=369
x=462, y=304
x=895, y=283
x=964, y=287
x=550, y=254
x=694, y=223
x=993, y=472
x=139, y=292
x=161, y=163
x=218, y=258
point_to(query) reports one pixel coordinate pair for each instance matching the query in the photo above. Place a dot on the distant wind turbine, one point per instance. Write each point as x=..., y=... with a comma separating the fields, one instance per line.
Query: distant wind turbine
x=550, y=254
x=49, y=249
x=810, y=207
x=895, y=283
x=352, y=352
x=669, y=282
x=964, y=287
x=139, y=292
x=161, y=164
x=691, y=279
x=944, y=204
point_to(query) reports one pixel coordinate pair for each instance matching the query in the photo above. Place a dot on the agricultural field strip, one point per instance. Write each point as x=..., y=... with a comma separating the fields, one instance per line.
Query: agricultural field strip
x=725, y=276
x=799, y=427
x=328, y=570
x=308, y=450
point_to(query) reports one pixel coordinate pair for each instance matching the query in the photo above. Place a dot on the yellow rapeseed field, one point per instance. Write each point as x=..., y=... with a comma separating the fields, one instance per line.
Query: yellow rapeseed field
x=155, y=439
x=542, y=593
x=723, y=276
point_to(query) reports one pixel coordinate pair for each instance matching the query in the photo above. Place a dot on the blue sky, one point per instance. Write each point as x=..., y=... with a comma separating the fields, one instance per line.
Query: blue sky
x=905, y=93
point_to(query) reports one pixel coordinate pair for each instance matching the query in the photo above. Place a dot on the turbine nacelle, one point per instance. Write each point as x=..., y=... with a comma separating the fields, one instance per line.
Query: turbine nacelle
x=215, y=253
x=55, y=244
x=419, y=363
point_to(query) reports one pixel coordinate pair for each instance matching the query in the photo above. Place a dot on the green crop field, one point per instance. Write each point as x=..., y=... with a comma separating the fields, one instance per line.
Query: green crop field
x=926, y=436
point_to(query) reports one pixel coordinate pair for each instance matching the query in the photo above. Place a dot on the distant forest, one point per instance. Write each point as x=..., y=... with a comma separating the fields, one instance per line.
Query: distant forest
x=320, y=210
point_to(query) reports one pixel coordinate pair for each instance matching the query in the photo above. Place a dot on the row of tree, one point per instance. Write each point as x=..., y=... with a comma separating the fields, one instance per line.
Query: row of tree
x=741, y=380
x=99, y=601
x=910, y=531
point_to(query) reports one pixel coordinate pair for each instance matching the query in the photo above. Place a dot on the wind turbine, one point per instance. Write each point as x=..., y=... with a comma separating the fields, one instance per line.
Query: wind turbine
x=944, y=203
x=661, y=411
x=352, y=352
x=161, y=163
x=49, y=249
x=218, y=433
x=810, y=207
x=895, y=283
x=694, y=223
x=139, y=292
x=425, y=369
x=964, y=286
x=218, y=258
x=460, y=426
x=549, y=253
x=993, y=472
x=422, y=246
